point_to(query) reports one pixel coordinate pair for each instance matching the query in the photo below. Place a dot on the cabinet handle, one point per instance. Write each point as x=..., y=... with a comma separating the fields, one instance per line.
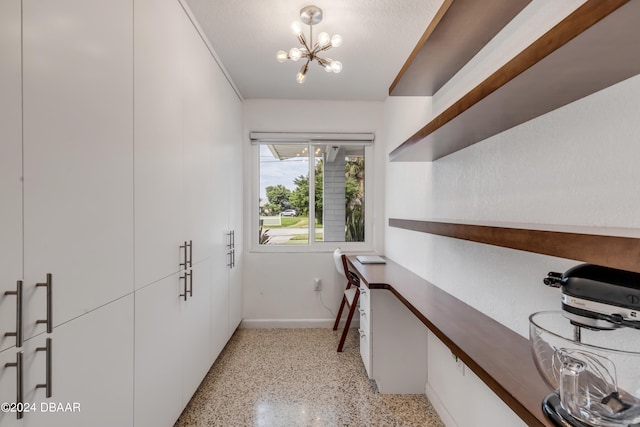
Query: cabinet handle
x=49, y=320
x=190, y=253
x=185, y=277
x=184, y=265
x=18, y=332
x=190, y=283
x=47, y=385
x=233, y=239
x=233, y=257
x=18, y=366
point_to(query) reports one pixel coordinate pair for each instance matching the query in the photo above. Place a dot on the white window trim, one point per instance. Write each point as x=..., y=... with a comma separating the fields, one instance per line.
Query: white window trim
x=258, y=138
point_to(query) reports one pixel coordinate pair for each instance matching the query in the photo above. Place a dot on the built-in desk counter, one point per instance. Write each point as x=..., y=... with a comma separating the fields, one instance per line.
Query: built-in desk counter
x=497, y=355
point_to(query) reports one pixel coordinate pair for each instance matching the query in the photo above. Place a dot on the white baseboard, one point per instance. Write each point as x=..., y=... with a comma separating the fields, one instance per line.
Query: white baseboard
x=292, y=323
x=437, y=404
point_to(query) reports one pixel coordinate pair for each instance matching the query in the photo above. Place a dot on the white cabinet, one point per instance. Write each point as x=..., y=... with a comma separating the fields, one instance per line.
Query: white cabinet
x=172, y=340
x=195, y=330
x=228, y=188
x=74, y=76
x=393, y=326
x=78, y=155
x=158, y=152
x=219, y=307
x=364, y=310
x=10, y=165
x=92, y=361
x=158, y=353
x=198, y=112
x=91, y=372
x=8, y=387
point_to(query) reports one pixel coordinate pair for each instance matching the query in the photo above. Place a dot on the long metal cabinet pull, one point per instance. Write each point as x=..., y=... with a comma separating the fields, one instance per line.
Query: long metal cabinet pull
x=185, y=291
x=185, y=263
x=19, y=389
x=47, y=385
x=190, y=253
x=233, y=248
x=49, y=320
x=18, y=332
x=231, y=245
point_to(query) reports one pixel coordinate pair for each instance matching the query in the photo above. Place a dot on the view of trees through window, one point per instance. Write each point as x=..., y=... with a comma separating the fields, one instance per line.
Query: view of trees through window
x=335, y=184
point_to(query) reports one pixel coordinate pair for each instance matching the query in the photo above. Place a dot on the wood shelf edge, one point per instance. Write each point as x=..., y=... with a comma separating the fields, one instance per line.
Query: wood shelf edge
x=573, y=25
x=458, y=31
x=425, y=36
x=610, y=251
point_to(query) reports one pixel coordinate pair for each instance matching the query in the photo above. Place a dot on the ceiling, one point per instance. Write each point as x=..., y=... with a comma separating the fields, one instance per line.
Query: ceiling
x=378, y=37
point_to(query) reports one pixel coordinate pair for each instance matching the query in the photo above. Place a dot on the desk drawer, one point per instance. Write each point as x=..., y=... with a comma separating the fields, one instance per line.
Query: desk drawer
x=364, y=298
x=365, y=350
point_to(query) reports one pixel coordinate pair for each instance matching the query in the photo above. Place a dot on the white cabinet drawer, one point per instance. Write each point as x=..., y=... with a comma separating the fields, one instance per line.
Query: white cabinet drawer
x=363, y=299
x=365, y=351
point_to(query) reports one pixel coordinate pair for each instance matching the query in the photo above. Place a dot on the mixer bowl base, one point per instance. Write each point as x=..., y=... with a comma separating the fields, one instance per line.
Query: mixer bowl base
x=555, y=412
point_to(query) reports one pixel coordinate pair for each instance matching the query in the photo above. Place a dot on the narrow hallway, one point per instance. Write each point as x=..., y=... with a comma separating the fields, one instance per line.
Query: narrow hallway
x=295, y=377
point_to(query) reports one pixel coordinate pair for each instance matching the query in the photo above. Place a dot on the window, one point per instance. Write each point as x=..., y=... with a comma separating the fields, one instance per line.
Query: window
x=311, y=192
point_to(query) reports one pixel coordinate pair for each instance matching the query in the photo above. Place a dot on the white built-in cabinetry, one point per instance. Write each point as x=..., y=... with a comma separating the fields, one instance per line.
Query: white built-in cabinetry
x=364, y=309
x=10, y=164
x=120, y=143
x=386, y=325
x=68, y=187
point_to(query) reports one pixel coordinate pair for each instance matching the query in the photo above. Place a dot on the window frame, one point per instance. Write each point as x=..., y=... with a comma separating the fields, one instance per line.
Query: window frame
x=264, y=138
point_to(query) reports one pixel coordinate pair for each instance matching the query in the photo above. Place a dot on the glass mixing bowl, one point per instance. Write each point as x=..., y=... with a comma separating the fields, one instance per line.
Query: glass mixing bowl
x=597, y=378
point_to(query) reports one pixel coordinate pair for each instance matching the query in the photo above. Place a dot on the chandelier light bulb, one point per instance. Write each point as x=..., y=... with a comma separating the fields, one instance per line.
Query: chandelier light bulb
x=281, y=56
x=296, y=28
x=336, y=66
x=336, y=40
x=295, y=53
x=300, y=77
x=323, y=38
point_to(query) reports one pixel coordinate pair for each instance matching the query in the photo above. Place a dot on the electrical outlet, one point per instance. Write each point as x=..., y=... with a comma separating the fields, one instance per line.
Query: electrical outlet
x=316, y=284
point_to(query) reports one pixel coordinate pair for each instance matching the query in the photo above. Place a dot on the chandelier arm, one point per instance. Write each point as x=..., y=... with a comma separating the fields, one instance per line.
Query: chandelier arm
x=303, y=41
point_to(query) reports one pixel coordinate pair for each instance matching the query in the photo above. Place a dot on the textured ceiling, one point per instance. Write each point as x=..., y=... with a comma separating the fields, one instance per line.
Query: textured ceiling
x=378, y=37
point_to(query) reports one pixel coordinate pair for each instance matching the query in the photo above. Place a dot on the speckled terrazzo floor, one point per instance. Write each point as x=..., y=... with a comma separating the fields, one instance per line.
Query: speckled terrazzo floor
x=295, y=377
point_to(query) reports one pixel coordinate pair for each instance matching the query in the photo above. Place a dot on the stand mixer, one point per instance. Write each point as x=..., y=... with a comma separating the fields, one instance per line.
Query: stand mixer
x=589, y=352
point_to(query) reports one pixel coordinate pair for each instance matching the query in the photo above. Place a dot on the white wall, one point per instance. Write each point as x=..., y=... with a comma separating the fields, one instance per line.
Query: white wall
x=278, y=287
x=574, y=166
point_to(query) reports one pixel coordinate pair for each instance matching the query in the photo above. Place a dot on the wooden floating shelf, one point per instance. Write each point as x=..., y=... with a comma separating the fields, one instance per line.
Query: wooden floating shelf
x=610, y=247
x=459, y=30
x=500, y=357
x=591, y=49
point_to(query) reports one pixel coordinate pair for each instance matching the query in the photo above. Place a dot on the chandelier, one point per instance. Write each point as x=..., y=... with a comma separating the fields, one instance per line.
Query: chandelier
x=310, y=16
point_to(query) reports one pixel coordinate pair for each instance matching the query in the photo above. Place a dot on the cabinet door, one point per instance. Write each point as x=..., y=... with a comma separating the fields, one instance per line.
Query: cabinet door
x=8, y=388
x=10, y=165
x=229, y=178
x=235, y=295
x=158, y=356
x=219, y=306
x=78, y=155
x=195, y=330
x=159, y=202
x=200, y=197
x=92, y=375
